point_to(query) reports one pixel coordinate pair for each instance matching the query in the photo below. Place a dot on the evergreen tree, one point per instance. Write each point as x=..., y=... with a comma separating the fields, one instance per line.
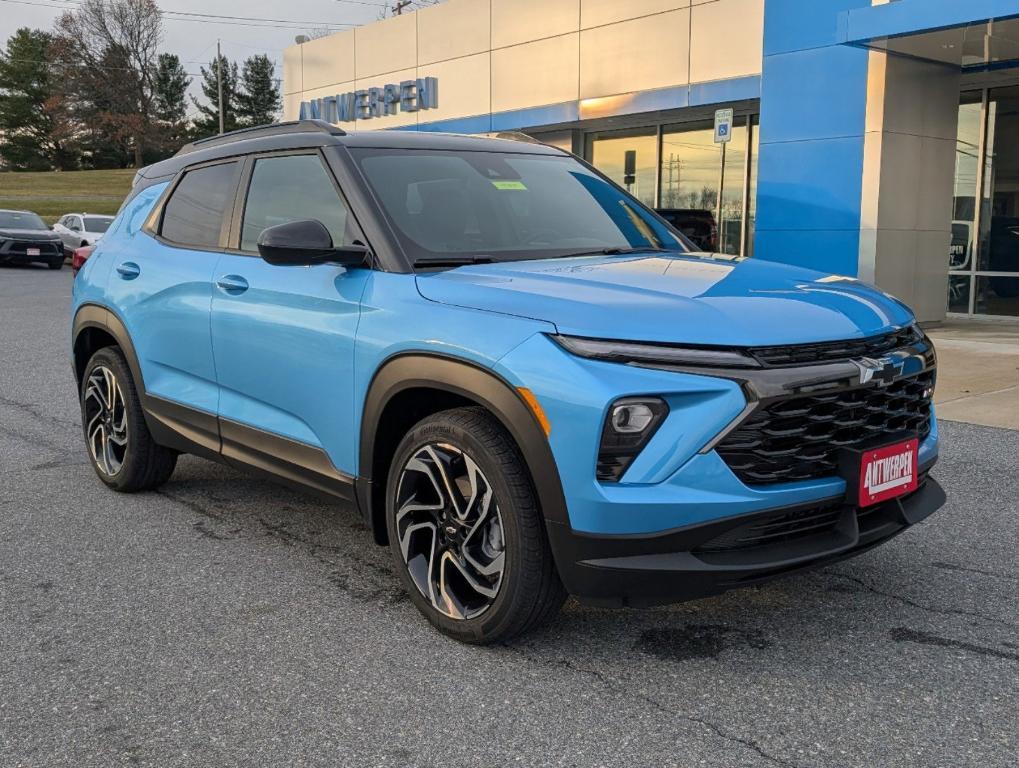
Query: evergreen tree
x=208, y=123
x=258, y=99
x=36, y=132
x=169, y=85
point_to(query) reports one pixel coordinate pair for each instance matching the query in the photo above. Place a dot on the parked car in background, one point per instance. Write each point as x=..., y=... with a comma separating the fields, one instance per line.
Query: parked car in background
x=698, y=225
x=79, y=229
x=25, y=238
x=79, y=256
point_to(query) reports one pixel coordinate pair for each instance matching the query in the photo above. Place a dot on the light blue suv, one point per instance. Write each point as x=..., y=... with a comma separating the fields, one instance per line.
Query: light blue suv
x=526, y=381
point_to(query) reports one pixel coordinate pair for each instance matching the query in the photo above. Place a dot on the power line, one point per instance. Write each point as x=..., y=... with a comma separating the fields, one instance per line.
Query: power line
x=205, y=18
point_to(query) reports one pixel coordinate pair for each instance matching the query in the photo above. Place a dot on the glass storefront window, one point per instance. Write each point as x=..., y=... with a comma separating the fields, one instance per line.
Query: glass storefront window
x=984, y=251
x=967, y=159
x=629, y=159
x=693, y=178
x=733, y=180
x=755, y=144
x=703, y=190
x=998, y=296
x=999, y=251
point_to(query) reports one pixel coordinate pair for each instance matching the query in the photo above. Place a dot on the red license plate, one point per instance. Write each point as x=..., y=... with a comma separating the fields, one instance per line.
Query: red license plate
x=32, y=251
x=888, y=472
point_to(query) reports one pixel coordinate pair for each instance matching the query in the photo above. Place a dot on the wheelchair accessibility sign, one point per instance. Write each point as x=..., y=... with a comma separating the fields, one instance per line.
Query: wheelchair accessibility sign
x=723, y=126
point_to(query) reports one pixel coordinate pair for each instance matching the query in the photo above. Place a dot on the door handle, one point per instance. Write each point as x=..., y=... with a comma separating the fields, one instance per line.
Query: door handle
x=128, y=270
x=232, y=284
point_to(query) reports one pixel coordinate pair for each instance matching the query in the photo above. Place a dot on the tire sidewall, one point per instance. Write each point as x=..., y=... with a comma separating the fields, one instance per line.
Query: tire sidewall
x=434, y=430
x=112, y=359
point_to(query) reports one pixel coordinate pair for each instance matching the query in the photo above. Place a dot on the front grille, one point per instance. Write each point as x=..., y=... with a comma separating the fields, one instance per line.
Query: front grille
x=20, y=248
x=778, y=528
x=799, y=437
x=833, y=351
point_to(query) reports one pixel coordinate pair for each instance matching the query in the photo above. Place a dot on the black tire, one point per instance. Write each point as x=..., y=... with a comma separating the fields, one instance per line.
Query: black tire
x=144, y=464
x=56, y=264
x=530, y=592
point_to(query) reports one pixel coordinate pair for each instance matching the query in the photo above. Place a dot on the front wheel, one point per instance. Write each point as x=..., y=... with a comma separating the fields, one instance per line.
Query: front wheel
x=123, y=453
x=56, y=264
x=466, y=531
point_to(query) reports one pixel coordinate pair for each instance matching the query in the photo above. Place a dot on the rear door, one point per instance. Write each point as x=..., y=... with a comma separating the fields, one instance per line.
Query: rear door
x=284, y=336
x=161, y=285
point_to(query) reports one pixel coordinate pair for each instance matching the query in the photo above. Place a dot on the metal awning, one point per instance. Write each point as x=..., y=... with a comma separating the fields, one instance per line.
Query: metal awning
x=972, y=35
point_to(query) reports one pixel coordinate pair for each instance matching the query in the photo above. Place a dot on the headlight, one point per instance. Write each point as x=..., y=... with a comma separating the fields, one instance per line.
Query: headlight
x=629, y=425
x=642, y=353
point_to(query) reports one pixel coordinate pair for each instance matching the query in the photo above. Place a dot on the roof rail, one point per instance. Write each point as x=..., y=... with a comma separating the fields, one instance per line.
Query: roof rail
x=259, y=131
x=518, y=136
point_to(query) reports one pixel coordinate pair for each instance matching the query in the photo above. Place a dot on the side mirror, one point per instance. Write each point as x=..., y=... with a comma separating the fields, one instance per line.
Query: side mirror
x=303, y=243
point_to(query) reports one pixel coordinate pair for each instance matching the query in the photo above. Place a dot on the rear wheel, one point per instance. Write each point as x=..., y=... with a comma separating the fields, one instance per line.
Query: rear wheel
x=466, y=532
x=123, y=452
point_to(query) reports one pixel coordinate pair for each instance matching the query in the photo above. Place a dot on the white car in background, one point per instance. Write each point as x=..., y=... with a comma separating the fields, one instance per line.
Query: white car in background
x=81, y=229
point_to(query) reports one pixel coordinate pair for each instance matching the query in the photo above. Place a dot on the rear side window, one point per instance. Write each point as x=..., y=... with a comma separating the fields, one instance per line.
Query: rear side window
x=293, y=188
x=194, y=213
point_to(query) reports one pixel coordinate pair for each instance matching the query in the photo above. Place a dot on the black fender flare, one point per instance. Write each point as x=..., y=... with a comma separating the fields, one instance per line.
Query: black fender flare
x=470, y=381
x=98, y=316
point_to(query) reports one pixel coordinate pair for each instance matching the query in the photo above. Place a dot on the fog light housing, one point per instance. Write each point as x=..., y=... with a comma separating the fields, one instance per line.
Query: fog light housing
x=629, y=426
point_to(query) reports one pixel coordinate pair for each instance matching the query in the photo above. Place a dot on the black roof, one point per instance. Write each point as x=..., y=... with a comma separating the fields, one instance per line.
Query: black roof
x=302, y=134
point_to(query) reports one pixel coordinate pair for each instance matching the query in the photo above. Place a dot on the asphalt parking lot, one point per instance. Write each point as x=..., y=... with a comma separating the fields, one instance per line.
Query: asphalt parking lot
x=225, y=621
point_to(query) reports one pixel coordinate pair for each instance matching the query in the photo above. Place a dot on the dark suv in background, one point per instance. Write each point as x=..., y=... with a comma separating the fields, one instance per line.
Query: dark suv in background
x=25, y=238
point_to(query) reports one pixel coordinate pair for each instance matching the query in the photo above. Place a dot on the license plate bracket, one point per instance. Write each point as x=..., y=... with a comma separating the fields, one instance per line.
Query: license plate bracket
x=884, y=470
x=33, y=252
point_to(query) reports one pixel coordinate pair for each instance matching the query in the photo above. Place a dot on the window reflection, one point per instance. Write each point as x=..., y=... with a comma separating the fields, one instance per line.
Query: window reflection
x=629, y=159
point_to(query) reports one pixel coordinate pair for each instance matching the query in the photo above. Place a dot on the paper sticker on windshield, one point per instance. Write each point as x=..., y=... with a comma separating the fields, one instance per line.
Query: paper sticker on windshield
x=509, y=185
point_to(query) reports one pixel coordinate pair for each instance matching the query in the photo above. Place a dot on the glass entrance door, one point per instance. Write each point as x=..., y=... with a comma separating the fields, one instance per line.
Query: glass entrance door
x=984, y=254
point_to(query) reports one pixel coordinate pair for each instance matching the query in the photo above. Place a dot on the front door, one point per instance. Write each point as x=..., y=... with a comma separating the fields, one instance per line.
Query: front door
x=283, y=337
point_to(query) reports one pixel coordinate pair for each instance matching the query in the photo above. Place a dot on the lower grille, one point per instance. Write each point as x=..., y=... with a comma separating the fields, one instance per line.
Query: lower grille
x=777, y=529
x=799, y=437
x=45, y=249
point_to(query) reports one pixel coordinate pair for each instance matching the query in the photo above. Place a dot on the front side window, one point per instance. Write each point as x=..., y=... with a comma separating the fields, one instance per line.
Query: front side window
x=193, y=215
x=293, y=188
x=503, y=206
x=74, y=223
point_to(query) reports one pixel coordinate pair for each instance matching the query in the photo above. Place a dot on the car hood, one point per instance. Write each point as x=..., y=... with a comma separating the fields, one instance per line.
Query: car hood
x=688, y=298
x=32, y=235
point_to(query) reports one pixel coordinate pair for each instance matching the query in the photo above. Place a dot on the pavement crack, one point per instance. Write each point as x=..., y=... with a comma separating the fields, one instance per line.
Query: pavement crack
x=194, y=506
x=966, y=569
x=621, y=688
x=906, y=635
x=920, y=606
x=37, y=412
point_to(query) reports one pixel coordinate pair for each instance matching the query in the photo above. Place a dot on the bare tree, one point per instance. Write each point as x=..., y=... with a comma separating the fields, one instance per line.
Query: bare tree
x=398, y=7
x=112, y=49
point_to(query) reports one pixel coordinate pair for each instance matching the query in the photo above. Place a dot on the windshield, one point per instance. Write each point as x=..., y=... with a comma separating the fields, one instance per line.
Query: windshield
x=497, y=206
x=98, y=224
x=20, y=220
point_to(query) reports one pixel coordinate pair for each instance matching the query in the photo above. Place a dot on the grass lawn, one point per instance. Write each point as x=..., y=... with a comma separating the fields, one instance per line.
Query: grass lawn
x=51, y=194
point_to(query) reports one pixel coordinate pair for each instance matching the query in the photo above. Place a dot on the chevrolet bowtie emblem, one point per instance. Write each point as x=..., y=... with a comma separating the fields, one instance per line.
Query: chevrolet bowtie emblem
x=883, y=372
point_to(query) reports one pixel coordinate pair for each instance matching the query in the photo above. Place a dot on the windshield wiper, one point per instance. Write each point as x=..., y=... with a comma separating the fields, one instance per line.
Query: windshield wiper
x=453, y=261
x=618, y=251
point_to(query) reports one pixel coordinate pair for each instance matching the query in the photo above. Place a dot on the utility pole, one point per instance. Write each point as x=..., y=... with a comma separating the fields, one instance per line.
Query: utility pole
x=398, y=8
x=219, y=84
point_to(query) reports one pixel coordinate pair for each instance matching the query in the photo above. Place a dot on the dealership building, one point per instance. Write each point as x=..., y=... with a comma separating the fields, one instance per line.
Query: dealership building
x=873, y=138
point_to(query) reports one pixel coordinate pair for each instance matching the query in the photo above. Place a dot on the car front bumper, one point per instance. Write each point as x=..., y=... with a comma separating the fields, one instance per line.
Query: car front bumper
x=710, y=558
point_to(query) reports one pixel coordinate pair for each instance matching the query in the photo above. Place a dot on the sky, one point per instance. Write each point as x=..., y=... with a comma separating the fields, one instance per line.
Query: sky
x=194, y=41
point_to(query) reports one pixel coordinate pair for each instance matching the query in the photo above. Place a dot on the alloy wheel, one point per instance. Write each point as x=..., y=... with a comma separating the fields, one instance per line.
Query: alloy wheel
x=450, y=531
x=105, y=420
